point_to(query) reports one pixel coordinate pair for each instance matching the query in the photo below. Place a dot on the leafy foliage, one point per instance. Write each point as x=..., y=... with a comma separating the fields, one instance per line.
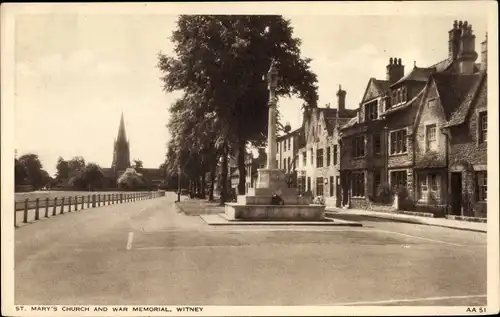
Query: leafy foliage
x=35, y=175
x=131, y=179
x=220, y=63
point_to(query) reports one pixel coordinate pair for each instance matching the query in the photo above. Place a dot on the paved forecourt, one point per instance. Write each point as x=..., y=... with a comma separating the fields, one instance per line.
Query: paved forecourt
x=147, y=252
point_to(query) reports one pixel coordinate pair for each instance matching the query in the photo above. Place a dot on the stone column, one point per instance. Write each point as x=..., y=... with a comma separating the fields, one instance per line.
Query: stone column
x=272, y=77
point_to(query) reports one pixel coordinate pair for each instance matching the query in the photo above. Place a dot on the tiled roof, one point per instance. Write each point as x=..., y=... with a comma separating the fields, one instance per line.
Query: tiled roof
x=417, y=74
x=459, y=115
x=442, y=65
x=454, y=90
x=415, y=101
x=382, y=85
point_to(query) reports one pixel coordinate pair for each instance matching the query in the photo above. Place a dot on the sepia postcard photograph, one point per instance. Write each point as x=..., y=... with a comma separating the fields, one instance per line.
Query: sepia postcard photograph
x=249, y=158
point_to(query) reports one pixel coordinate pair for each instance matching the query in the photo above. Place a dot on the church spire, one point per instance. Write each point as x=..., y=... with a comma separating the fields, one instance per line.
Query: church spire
x=122, y=136
x=121, y=151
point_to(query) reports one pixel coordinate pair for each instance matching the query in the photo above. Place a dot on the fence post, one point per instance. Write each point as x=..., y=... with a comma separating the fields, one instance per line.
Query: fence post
x=93, y=200
x=62, y=205
x=109, y=199
x=98, y=199
x=88, y=201
x=54, y=207
x=37, y=211
x=76, y=203
x=25, y=214
x=69, y=204
x=83, y=202
x=47, y=207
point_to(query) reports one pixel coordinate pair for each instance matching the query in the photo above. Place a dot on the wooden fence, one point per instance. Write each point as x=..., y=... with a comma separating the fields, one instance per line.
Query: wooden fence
x=56, y=205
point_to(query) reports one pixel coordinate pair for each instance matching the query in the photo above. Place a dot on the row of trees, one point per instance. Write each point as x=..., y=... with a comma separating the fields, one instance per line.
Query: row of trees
x=74, y=173
x=220, y=63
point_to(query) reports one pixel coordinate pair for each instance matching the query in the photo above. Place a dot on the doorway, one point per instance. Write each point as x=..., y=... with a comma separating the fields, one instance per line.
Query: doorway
x=456, y=193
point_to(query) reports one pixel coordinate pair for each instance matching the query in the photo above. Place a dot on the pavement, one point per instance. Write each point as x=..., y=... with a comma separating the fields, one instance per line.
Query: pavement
x=148, y=253
x=439, y=222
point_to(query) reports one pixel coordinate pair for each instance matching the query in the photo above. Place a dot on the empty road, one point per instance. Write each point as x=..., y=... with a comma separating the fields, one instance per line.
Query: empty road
x=146, y=253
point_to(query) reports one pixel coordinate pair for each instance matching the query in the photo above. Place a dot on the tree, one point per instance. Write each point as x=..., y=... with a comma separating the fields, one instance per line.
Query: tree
x=92, y=176
x=20, y=173
x=130, y=179
x=138, y=164
x=76, y=166
x=62, y=170
x=36, y=176
x=221, y=62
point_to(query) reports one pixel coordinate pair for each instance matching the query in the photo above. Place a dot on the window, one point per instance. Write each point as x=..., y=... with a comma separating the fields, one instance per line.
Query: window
x=398, y=141
x=403, y=94
x=433, y=182
x=319, y=158
x=483, y=126
x=422, y=186
x=394, y=98
x=377, y=180
x=319, y=186
x=387, y=103
x=308, y=184
x=335, y=154
x=431, y=103
x=430, y=132
x=377, y=145
x=328, y=156
x=304, y=159
x=358, y=146
x=358, y=184
x=288, y=165
x=371, y=111
x=398, y=179
x=284, y=146
x=289, y=144
x=301, y=183
x=284, y=164
x=482, y=185
x=312, y=157
x=331, y=186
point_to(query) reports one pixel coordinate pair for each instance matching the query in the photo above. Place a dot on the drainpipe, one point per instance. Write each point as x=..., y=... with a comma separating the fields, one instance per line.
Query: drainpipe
x=447, y=135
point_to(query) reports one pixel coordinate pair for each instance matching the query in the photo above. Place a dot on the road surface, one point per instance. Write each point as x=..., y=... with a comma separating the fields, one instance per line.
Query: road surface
x=146, y=253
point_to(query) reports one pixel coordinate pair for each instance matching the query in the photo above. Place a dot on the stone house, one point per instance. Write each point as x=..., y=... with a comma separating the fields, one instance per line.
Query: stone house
x=287, y=149
x=451, y=134
x=318, y=160
x=405, y=132
x=361, y=147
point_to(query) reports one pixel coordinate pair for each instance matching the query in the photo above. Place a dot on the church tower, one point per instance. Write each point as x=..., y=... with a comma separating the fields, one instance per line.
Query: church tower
x=121, y=151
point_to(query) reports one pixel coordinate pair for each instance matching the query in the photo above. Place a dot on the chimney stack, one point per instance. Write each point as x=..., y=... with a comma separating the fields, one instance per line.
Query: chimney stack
x=341, y=99
x=484, y=53
x=454, y=40
x=466, y=54
x=395, y=70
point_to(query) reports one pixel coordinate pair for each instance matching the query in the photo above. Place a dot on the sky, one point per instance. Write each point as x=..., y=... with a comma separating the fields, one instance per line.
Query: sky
x=76, y=73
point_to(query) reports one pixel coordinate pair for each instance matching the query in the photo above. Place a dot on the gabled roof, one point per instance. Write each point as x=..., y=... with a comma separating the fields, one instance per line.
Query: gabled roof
x=442, y=65
x=350, y=123
x=382, y=85
x=417, y=74
x=454, y=89
x=460, y=114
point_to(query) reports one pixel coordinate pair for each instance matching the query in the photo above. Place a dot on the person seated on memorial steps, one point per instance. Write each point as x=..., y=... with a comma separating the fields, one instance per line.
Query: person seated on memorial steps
x=277, y=200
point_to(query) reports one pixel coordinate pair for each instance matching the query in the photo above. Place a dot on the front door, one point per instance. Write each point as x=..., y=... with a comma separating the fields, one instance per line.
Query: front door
x=456, y=193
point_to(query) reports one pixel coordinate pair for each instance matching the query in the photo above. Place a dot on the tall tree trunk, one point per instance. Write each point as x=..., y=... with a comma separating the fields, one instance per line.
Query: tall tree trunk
x=224, y=189
x=203, y=184
x=213, y=170
x=241, y=167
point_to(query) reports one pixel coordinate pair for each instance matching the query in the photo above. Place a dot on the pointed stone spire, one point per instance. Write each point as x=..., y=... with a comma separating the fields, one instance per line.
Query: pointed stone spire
x=121, y=153
x=122, y=136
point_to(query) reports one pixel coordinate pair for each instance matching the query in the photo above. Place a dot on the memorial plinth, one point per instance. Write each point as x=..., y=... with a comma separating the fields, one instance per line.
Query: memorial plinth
x=256, y=205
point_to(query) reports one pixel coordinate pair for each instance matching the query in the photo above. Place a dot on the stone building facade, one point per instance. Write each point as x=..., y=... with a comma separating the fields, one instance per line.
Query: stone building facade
x=425, y=131
x=318, y=160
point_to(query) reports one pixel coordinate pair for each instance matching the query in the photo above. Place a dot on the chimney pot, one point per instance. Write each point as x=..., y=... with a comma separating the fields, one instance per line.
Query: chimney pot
x=390, y=61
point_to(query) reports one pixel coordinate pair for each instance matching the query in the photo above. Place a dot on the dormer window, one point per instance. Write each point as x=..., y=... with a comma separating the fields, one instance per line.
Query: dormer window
x=403, y=94
x=371, y=111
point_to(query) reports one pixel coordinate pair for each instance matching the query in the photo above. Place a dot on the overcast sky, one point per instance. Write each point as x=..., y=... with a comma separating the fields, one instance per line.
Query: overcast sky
x=75, y=74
